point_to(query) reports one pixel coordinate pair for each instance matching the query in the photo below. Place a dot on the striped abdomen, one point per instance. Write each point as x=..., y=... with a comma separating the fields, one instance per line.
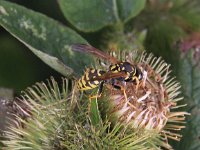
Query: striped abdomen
x=85, y=83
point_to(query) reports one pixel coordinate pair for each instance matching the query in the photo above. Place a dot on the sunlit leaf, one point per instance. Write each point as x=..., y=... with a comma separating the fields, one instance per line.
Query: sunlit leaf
x=92, y=15
x=44, y=35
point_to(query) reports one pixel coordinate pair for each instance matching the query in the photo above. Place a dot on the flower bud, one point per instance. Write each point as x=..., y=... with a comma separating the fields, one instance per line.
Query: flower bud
x=151, y=104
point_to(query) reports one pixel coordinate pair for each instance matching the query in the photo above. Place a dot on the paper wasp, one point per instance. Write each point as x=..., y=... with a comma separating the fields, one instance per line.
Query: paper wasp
x=118, y=71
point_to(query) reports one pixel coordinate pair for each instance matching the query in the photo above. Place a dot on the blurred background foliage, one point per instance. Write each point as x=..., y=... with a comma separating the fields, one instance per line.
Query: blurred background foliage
x=24, y=69
x=164, y=23
x=167, y=28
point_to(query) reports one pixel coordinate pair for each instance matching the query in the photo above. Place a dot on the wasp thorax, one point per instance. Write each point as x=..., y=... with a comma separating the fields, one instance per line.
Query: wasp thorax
x=152, y=102
x=133, y=73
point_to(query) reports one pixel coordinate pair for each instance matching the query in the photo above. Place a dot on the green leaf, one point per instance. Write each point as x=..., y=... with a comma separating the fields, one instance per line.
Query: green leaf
x=24, y=64
x=92, y=15
x=45, y=37
x=130, y=8
x=188, y=12
x=160, y=38
x=54, y=62
x=189, y=75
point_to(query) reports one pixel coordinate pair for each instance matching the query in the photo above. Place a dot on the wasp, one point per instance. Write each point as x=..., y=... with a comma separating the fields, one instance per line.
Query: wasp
x=117, y=71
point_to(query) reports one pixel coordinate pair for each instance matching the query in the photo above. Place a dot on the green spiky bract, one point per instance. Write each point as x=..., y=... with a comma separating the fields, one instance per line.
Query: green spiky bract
x=56, y=119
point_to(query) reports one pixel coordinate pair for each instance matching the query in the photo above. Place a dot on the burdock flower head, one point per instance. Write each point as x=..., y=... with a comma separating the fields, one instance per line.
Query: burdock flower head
x=142, y=115
x=150, y=104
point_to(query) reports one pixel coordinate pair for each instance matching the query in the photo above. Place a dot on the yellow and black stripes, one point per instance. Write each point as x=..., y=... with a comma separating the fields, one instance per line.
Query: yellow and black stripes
x=92, y=78
x=87, y=81
x=130, y=70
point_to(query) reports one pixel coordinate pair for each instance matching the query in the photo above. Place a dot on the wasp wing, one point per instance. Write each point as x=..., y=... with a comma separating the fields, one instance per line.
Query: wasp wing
x=109, y=75
x=94, y=51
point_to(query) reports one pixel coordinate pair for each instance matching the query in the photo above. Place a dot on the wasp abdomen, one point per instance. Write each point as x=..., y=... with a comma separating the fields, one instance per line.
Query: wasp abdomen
x=87, y=81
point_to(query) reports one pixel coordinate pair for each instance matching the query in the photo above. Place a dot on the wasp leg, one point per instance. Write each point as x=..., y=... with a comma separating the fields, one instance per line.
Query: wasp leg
x=116, y=86
x=91, y=97
x=137, y=83
x=124, y=91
